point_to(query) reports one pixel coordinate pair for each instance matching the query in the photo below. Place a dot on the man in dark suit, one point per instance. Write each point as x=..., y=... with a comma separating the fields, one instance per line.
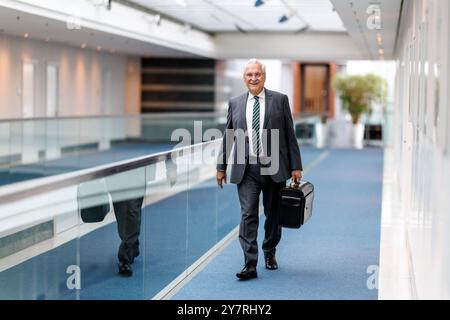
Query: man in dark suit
x=266, y=155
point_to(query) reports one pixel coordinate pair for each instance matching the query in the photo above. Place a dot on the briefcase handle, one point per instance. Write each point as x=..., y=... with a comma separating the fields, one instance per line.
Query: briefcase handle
x=295, y=185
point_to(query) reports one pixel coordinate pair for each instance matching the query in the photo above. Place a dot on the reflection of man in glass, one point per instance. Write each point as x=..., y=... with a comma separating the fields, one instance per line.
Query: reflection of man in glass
x=128, y=216
x=127, y=192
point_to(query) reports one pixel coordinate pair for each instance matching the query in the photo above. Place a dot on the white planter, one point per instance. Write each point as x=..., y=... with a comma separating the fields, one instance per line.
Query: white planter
x=321, y=131
x=358, y=136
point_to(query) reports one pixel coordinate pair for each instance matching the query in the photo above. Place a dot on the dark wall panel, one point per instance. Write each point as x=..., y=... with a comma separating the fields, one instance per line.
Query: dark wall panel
x=178, y=96
x=177, y=85
x=181, y=79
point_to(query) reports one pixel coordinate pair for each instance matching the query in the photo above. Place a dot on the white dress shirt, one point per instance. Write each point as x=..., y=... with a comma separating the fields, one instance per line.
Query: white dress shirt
x=249, y=118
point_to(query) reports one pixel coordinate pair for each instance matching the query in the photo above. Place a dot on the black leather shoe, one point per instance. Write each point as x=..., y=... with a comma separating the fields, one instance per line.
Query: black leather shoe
x=271, y=263
x=249, y=272
x=125, y=269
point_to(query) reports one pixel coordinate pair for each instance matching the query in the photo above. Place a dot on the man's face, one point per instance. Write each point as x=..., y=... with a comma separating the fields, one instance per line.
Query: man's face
x=254, y=78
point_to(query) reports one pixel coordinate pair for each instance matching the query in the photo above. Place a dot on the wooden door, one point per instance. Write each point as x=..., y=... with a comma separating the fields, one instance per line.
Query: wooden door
x=315, y=88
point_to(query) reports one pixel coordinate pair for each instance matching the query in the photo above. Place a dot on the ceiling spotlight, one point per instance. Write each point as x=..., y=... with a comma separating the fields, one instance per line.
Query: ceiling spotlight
x=259, y=3
x=283, y=18
x=286, y=17
x=25, y=35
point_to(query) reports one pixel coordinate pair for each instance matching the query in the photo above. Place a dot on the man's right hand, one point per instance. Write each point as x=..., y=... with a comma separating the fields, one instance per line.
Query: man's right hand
x=221, y=175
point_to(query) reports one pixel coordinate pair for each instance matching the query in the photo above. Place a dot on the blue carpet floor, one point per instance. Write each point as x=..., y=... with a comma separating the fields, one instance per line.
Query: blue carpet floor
x=328, y=257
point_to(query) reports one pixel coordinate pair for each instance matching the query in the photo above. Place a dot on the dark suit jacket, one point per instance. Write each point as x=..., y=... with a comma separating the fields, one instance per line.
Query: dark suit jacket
x=277, y=116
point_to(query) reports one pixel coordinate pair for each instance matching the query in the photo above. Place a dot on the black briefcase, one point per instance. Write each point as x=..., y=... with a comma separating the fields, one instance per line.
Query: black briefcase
x=295, y=204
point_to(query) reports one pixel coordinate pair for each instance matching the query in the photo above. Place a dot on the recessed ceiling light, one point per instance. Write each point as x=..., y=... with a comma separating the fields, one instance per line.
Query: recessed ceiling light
x=381, y=51
x=83, y=45
x=283, y=18
x=379, y=38
x=259, y=3
x=26, y=35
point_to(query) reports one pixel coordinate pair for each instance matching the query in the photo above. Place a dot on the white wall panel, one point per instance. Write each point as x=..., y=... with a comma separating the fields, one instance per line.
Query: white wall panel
x=422, y=181
x=79, y=78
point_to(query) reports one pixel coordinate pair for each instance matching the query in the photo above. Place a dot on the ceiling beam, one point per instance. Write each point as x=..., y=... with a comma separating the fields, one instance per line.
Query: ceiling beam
x=310, y=46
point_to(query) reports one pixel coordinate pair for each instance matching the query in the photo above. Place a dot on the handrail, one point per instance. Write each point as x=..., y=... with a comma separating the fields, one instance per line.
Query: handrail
x=153, y=115
x=21, y=190
x=156, y=115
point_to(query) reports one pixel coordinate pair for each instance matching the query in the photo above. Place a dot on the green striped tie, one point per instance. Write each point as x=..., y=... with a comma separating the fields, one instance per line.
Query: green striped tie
x=255, y=127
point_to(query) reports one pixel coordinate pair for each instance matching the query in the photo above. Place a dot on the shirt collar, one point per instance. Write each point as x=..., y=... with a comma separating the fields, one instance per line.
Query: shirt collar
x=261, y=95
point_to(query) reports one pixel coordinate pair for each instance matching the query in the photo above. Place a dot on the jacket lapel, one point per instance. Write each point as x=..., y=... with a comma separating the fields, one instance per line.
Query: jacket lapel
x=268, y=108
x=243, y=108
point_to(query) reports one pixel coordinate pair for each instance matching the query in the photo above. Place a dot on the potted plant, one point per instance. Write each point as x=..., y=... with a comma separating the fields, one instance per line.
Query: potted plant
x=358, y=93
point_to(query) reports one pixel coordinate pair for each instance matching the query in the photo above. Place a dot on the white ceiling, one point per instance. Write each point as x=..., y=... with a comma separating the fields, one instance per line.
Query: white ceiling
x=232, y=15
x=18, y=23
x=357, y=16
x=225, y=15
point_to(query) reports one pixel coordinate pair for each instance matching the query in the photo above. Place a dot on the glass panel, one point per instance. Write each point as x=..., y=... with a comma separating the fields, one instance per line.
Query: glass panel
x=69, y=140
x=38, y=247
x=24, y=151
x=201, y=204
x=165, y=223
x=5, y=152
x=110, y=231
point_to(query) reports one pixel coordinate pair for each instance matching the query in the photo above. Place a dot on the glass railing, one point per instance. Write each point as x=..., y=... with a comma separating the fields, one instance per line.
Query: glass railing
x=36, y=148
x=60, y=235
x=60, y=239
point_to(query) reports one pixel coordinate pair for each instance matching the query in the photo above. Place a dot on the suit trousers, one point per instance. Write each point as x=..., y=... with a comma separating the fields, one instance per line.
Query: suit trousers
x=249, y=190
x=128, y=216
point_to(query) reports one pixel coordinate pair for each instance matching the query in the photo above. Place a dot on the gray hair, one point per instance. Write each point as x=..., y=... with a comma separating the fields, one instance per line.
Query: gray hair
x=256, y=61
